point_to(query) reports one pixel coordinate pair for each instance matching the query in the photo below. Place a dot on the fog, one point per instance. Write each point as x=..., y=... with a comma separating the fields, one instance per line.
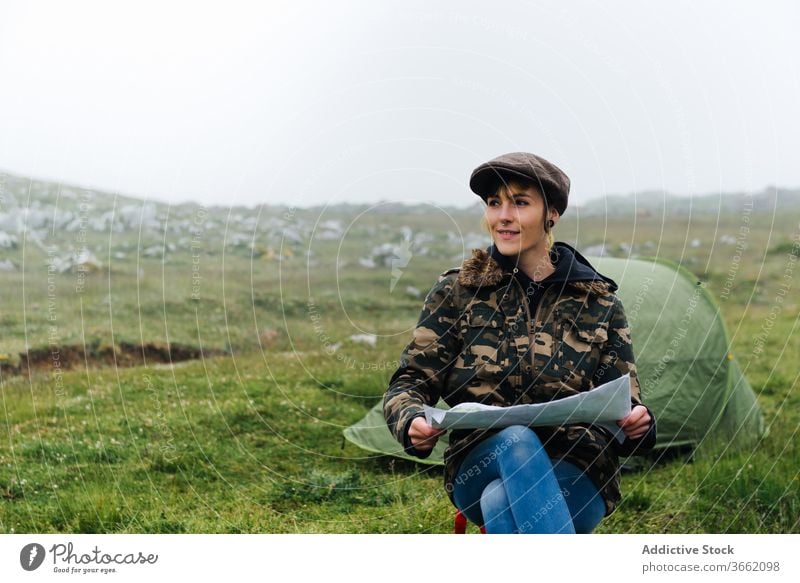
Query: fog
x=309, y=103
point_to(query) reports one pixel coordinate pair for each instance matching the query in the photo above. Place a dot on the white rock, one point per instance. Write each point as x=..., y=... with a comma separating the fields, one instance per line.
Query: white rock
x=332, y=225
x=7, y=241
x=369, y=339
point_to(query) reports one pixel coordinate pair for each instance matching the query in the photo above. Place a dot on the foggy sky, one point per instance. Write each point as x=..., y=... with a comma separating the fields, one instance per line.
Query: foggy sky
x=318, y=102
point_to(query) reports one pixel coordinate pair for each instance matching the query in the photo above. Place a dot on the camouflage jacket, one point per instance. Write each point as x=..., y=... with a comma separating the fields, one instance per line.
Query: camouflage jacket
x=476, y=341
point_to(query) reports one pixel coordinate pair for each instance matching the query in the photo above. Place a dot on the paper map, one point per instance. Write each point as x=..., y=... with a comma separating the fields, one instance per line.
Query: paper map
x=602, y=406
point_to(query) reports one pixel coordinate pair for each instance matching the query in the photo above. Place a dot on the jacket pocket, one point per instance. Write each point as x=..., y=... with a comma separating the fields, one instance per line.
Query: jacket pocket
x=577, y=355
x=483, y=338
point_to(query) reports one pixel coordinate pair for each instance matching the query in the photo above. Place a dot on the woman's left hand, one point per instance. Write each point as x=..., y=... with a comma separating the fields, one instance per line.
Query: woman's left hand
x=636, y=423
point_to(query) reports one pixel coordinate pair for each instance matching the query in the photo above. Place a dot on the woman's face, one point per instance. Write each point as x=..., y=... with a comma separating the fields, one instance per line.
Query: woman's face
x=516, y=220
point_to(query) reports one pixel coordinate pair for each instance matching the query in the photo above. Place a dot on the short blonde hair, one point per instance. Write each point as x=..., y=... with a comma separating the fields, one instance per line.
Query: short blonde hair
x=503, y=194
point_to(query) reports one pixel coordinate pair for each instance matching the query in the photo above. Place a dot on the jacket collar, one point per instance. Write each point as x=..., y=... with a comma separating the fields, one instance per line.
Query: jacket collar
x=490, y=268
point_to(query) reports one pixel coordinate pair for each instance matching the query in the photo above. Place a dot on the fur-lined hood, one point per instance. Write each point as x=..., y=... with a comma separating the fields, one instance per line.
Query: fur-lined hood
x=484, y=269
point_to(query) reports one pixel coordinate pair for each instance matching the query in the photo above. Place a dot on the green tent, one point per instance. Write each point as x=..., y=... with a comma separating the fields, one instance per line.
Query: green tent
x=688, y=374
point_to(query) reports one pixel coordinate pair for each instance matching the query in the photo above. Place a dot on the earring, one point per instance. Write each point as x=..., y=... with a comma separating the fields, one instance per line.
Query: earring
x=551, y=223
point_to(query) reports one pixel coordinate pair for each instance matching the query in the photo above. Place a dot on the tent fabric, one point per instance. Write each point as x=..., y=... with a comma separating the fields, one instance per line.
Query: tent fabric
x=688, y=374
x=371, y=433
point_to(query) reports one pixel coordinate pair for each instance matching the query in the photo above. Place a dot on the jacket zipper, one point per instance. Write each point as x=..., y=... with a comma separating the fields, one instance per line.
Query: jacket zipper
x=532, y=335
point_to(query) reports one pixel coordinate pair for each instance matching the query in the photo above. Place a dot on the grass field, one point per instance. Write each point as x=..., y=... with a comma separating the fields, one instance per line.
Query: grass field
x=252, y=441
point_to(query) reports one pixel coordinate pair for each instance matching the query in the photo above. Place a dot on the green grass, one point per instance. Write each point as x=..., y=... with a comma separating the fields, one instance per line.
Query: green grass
x=252, y=442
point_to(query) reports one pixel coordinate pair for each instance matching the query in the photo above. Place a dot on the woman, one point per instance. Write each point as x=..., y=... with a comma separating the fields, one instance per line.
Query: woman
x=527, y=321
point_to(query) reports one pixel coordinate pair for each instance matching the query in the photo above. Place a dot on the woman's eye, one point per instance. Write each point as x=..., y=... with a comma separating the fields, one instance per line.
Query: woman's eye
x=522, y=202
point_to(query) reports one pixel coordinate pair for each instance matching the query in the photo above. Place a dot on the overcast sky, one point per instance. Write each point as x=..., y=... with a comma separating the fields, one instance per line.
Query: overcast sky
x=322, y=102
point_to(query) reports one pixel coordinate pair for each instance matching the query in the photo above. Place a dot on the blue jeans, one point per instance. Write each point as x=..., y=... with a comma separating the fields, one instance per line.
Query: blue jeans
x=508, y=484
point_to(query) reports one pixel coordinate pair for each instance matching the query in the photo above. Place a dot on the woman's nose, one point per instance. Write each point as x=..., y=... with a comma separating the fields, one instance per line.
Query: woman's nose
x=506, y=212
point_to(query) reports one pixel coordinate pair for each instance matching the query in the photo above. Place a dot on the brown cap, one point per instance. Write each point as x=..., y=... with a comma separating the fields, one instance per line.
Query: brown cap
x=553, y=183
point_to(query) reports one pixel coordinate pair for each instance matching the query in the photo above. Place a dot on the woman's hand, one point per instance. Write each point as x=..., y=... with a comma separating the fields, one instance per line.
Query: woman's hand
x=422, y=436
x=636, y=423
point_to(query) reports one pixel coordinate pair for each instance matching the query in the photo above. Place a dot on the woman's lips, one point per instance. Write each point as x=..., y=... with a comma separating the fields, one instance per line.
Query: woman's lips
x=507, y=235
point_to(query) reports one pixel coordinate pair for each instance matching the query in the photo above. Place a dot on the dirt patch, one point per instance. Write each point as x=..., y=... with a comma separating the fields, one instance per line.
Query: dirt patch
x=124, y=354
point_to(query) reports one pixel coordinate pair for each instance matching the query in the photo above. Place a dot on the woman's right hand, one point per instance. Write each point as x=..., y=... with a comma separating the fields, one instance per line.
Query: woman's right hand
x=422, y=436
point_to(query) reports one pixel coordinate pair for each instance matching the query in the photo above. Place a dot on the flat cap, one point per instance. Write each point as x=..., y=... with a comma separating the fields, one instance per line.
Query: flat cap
x=553, y=183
